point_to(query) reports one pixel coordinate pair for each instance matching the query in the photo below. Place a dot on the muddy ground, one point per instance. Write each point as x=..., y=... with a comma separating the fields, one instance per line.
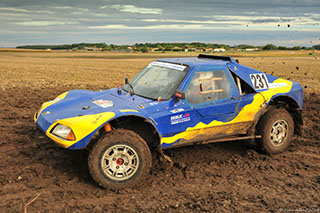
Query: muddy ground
x=230, y=176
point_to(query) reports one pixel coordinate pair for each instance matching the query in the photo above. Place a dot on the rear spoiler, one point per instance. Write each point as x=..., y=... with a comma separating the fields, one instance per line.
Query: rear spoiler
x=224, y=58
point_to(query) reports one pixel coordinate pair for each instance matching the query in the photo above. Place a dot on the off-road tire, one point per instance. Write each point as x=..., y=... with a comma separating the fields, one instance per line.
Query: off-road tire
x=120, y=137
x=275, y=118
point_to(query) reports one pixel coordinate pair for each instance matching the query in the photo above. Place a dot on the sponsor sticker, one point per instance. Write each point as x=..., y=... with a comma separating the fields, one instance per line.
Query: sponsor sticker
x=276, y=85
x=176, y=119
x=103, y=103
x=154, y=103
x=177, y=110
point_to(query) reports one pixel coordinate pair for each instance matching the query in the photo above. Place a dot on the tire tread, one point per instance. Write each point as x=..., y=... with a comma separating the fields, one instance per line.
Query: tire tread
x=119, y=136
x=263, y=129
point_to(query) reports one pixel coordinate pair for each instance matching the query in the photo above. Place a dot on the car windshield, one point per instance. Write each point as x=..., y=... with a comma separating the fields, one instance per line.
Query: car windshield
x=158, y=79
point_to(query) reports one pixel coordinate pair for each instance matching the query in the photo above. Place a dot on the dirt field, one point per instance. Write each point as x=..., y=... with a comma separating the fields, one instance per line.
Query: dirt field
x=222, y=177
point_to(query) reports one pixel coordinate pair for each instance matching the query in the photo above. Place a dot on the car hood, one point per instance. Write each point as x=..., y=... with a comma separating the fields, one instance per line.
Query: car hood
x=84, y=102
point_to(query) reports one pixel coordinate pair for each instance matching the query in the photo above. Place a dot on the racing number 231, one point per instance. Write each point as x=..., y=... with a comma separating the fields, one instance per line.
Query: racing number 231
x=259, y=81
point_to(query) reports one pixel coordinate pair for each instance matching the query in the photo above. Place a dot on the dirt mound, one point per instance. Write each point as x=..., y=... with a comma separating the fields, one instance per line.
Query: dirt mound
x=229, y=176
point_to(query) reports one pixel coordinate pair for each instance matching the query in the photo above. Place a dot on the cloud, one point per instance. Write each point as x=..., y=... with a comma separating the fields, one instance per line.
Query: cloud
x=178, y=25
x=134, y=9
x=44, y=23
x=152, y=27
x=72, y=8
x=14, y=15
x=203, y=22
x=100, y=15
x=12, y=9
x=254, y=22
x=166, y=20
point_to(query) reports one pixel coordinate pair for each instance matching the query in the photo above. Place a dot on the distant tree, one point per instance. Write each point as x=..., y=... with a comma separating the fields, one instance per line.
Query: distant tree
x=112, y=46
x=144, y=49
x=282, y=48
x=160, y=48
x=244, y=46
x=44, y=47
x=168, y=47
x=296, y=48
x=81, y=45
x=317, y=47
x=270, y=47
x=101, y=45
x=107, y=48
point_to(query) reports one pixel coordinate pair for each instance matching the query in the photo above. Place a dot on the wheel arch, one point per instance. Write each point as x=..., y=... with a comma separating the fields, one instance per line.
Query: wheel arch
x=139, y=124
x=292, y=106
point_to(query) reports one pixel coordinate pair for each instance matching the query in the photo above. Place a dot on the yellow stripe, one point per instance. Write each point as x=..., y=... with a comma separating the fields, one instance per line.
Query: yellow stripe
x=128, y=110
x=246, y=114
x=81, y=126
x=273, y=91
x=49, y=103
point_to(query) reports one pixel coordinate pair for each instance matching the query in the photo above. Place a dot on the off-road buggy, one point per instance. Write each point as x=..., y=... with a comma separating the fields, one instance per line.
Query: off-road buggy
x=172, y=102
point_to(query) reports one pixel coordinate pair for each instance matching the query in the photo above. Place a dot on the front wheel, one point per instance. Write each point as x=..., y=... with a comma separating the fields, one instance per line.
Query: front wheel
x=120, y=159
x=276, y=128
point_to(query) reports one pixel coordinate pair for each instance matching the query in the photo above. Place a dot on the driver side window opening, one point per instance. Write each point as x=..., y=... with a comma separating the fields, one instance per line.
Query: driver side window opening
x=208, y=86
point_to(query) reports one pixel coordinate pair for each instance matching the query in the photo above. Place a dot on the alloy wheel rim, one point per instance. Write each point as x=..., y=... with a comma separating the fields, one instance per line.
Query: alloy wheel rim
x=120, y=162
x=279, y=132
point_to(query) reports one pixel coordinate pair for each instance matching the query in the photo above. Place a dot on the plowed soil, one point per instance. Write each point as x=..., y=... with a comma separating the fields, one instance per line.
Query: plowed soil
x=230, y=176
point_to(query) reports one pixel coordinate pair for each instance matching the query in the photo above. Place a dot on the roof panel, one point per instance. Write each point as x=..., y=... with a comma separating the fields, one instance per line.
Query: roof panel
x=194, y=61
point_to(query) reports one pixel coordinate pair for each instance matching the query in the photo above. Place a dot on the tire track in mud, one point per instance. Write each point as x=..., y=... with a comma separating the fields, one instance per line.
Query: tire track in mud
x=230, y=176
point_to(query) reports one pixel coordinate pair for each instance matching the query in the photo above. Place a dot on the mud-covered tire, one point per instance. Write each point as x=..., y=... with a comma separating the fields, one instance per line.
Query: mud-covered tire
x=120, y=159
x=276, y=128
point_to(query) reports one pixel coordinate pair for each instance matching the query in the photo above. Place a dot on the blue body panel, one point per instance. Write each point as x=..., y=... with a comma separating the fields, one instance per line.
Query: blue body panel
x=168, y=117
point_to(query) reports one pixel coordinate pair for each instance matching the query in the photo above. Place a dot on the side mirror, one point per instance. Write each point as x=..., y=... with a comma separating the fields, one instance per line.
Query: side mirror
x=180, y=94
x=126, y=81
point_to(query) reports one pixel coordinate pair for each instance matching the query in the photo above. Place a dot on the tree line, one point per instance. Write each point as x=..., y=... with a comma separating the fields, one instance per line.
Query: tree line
x=145, y=47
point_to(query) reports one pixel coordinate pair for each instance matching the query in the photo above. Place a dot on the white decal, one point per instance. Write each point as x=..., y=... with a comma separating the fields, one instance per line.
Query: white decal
x=103, y=103
x=180, y=118
x=168, y=65
x=177, y=110
x=259, y=81
x=154, y=103
x=275, y=85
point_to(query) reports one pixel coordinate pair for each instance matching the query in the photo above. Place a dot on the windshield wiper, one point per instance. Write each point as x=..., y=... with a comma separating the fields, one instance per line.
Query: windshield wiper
x=127, y=82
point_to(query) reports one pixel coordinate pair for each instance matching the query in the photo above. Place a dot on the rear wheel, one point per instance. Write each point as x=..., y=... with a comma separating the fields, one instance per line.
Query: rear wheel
x=276, y=128
x=120, y=159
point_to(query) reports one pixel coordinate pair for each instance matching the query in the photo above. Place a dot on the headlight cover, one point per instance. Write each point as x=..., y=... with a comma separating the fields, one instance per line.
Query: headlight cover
x=63, y=132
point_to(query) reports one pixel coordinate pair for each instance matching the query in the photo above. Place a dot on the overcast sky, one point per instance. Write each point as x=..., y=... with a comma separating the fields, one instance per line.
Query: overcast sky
x=257, y=22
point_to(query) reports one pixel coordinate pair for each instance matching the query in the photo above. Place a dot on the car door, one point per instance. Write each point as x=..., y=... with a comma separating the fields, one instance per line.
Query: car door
x=213, y=94
x=210, y=105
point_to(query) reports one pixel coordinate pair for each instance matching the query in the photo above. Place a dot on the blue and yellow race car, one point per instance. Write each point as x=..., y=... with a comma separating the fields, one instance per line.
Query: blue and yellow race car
x=172, y=102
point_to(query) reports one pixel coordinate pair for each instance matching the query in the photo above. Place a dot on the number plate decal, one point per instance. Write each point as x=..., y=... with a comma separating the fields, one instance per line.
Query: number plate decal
x=259, y=81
